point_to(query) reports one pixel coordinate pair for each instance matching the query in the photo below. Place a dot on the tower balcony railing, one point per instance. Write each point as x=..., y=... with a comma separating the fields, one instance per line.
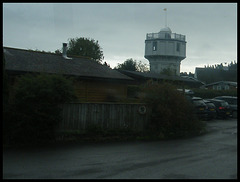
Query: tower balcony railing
x=162, y=35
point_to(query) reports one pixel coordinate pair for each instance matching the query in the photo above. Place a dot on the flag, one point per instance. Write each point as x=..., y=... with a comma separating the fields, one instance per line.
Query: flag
x=165, y=9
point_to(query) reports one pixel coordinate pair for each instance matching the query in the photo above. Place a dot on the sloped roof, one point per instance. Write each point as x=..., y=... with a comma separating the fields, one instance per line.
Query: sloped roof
x=191, y=78
x=222, y=82
x=34, y=61
x=150, y=75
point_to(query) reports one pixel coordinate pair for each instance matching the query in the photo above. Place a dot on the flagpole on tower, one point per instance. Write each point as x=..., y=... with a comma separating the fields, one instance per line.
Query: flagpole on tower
x=165, y=9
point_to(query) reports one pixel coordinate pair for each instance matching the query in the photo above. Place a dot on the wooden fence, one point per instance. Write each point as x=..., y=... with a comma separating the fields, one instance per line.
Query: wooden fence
x=79, y=116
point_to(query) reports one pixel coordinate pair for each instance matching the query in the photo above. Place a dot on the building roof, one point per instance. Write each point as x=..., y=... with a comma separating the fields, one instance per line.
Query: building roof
x=222, y=82
x=191, y=78
x=20, y=60
x=157, y=76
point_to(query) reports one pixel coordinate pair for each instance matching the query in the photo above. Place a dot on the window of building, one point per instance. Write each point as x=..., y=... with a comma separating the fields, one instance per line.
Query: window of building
x=178, y=47
x=154, y=46
x=219, y=87
x=167, y=36
x=226, y=87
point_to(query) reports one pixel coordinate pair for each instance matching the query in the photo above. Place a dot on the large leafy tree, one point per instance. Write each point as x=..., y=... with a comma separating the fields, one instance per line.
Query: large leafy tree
x=84, y=47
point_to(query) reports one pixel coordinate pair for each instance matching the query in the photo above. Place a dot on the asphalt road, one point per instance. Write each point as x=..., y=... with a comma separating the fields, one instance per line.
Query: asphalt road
x=211, y=156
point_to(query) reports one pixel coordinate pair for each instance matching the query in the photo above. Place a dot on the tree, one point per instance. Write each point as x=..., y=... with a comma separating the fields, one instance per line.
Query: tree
x=169, y=108
x=133, y=65
x=105, y=64
x=84, y=47
x=58, y=51
x=191, y=74
x=129, y=65
x=142, y=67
x=35, y=113
x=217, y=73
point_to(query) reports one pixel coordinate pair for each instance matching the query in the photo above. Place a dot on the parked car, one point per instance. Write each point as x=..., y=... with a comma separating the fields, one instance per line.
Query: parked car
x=186, y=91
x=211, y=109
x=222, y=108
x=200, y=107
x=232, y=102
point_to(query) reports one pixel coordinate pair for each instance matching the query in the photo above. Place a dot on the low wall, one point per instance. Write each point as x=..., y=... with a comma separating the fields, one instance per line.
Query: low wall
x=79, y=116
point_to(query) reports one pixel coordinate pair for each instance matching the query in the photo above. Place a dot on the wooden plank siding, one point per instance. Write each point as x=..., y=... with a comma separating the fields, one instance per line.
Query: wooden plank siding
x=79, y=116
x=97, y=91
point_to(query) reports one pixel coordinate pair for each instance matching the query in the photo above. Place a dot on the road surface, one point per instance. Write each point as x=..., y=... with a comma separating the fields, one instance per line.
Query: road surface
x=211, y=156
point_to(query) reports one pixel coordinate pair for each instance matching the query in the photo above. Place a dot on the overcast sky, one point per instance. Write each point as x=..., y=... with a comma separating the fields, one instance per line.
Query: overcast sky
x=121, y=28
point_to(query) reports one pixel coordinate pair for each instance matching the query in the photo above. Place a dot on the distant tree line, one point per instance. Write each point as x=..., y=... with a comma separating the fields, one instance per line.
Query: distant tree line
x=190, y=74
x=218, y=72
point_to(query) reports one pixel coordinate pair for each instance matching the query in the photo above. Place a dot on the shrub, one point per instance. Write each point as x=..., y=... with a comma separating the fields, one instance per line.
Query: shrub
x=34, y=113
x=172, y=115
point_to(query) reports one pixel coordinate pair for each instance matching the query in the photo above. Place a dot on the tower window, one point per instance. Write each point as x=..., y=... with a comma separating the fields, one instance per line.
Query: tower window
x=167, y=36
x=178, y=47
x=154, y=46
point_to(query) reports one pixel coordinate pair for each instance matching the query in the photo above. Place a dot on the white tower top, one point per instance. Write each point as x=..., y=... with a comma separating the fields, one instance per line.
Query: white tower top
x=166, y=30
x=165, y=50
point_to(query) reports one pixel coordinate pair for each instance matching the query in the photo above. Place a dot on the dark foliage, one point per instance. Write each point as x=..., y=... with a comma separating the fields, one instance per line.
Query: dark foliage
x=133, y=65
x=129, y=65
x=172, y=114
x=215, y=73
x=84, y=47
x=34, y=112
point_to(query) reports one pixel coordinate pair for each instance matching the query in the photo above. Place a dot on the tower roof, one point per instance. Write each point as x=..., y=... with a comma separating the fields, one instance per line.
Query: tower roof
x=166, y=29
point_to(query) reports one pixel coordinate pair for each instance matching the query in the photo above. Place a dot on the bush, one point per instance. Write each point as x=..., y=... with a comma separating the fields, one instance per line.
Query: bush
x=34, y=112
x=172, y=114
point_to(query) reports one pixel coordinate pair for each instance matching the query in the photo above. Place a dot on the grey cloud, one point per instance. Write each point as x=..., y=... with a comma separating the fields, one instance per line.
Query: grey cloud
x=121, y=28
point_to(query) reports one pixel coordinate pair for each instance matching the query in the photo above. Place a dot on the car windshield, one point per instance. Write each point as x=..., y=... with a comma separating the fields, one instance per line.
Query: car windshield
x=224, y=104
x=199, y=103
x=231, y=101
x=210, y=104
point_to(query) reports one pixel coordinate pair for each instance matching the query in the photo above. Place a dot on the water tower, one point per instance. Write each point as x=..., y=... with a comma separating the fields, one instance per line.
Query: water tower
x=165, y=50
